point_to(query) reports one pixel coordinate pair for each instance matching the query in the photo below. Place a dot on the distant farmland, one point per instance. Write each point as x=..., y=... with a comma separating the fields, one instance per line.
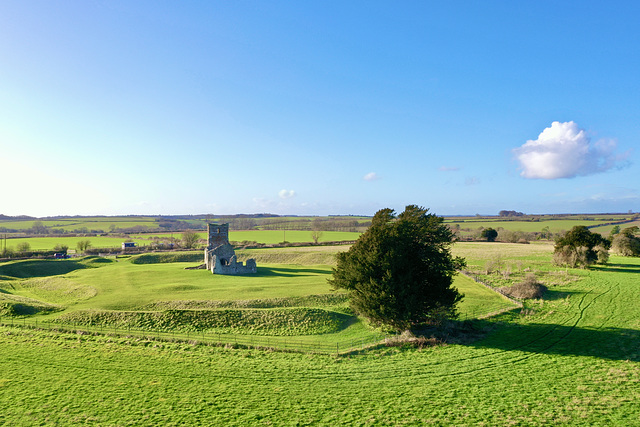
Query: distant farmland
x=571, y=358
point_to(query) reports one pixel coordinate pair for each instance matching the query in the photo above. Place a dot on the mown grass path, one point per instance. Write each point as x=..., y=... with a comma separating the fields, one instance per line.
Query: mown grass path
x=570, y=360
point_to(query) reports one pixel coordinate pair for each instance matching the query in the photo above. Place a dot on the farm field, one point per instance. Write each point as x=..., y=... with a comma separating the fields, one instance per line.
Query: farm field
x=124, y=283
x=91, y=223
x=555, y=226
x=268, y=237
x=570, y=359
x=606, y=229
x=48, y=243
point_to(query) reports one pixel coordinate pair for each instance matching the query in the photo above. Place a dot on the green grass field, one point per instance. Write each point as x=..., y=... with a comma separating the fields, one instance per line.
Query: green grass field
x=570, y=359
x=606, y=229
x=91, y=223
x=555, y=226
x=268, y=237
x=123, y=284
x=48, y=243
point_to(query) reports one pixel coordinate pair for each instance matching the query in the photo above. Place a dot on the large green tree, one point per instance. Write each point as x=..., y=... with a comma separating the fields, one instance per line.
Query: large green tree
x=626, y=242
x=580, y=248
x=490, y=234
x=400, y=272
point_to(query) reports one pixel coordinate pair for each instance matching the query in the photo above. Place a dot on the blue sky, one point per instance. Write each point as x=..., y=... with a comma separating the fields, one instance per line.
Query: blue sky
x=318, y=107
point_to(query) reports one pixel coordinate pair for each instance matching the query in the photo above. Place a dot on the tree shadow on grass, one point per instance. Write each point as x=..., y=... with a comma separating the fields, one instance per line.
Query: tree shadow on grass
x=605, y=343
x=617, y=268
x=288, y=272
x=553, y=295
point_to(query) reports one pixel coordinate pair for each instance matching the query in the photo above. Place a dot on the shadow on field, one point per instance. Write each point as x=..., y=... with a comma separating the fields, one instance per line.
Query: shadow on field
x=40, y=268
x=617, y=268
x=551, y=295
x=287, y=272
x=605, y=343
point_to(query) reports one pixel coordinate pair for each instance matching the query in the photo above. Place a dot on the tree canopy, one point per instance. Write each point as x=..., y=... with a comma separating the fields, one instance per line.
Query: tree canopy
x=626, y=242
x=189, y=239
x=399, y=273
x=490, y=234
x=581, y=248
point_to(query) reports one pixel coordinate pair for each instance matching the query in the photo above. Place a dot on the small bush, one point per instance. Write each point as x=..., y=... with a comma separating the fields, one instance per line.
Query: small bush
x=603, y=254
x=528, y=289
x=408, y=339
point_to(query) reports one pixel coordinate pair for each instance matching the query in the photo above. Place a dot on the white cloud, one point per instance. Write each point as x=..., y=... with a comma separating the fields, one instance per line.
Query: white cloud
x=286, y=194
x=565, y=151
x=371, y=176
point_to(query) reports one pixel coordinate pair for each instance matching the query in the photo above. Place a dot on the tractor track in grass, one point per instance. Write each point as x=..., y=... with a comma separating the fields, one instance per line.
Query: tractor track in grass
x=582, y=306
x=581, y=313
x=384, y=370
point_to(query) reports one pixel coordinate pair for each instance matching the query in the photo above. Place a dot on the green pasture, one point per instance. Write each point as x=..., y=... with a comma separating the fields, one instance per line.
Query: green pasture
x=555, y=226
x=268, y=237
x=48, y=243
x=572, y=358
x=91, y=223
x=532, y=255
x=606, y=230
x=294, y=236
x=121, y=284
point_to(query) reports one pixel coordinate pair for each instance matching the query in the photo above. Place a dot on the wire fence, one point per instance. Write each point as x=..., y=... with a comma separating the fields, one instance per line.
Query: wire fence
x=280, y=343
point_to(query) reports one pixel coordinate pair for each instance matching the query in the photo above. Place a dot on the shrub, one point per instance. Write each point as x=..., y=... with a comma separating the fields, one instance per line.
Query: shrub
x=490, y=234
x=580, y=248
x=7, y=252
x=494, y=264
x=23, y=247
x=529, y=288
x=83, y=245
x=626, y=243
x=61, y=248
x=603, y=254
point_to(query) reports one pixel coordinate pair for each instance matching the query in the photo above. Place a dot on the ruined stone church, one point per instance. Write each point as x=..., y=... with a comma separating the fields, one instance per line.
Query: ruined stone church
x=219, y=256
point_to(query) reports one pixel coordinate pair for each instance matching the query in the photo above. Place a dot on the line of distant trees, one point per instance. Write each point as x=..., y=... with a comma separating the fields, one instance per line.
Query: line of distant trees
x=510, y=213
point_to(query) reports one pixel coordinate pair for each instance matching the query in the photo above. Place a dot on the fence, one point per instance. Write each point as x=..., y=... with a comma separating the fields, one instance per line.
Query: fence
x=280, y=343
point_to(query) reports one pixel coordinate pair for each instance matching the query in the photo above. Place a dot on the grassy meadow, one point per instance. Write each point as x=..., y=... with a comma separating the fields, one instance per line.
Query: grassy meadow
x=572, y=358
x=267, y=237
x=103, y=224
x=48, y=243
x=555, y=225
